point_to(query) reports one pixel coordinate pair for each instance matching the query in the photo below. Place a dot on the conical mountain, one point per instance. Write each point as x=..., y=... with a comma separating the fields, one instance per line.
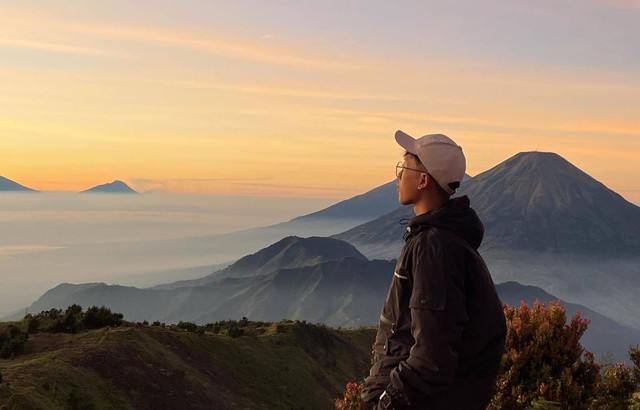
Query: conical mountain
x=540, y=201
x=115, y=187
x=9, y=185
x=287, y=253
x=533, y=201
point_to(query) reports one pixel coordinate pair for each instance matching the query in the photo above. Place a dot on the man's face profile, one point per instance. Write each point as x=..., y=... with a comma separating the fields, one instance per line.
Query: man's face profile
x=408, y=181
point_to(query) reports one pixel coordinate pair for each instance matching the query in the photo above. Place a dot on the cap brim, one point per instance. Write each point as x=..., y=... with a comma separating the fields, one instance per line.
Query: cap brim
x=406, y=141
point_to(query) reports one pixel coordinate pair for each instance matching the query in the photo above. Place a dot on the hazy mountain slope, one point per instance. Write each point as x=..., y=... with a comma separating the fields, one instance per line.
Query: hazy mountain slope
x=290, y=366
x=348, y=292
x=338, y=293
x=608, y=286
x=115, y=187
x=369, y=205
x=290, y=252
x=134, y=303
x=9, y=185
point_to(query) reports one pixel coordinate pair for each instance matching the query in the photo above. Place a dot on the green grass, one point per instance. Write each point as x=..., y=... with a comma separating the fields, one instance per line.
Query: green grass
x=282, y=366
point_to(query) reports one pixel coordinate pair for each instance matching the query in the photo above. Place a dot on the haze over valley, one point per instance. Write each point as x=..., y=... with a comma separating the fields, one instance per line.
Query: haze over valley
x=54, y=237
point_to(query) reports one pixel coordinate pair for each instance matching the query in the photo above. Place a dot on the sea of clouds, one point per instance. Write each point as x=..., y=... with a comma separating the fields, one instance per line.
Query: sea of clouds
x=139, y=240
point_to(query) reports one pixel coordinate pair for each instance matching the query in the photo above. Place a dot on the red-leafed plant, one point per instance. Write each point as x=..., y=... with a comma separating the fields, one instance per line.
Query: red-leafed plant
x=351, y=400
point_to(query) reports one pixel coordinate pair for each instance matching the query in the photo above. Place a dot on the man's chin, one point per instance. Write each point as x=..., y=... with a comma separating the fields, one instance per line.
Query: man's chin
x=403, y=201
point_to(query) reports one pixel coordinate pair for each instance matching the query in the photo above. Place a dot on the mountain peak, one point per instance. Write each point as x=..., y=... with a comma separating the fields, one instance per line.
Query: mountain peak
x=540, y=201
x=8, y=185
x=116, y=186
x=540, y=164
x=291, y=252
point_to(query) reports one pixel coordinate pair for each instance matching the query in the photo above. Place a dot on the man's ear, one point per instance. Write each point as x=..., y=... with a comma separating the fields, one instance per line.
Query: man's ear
x=424, y=180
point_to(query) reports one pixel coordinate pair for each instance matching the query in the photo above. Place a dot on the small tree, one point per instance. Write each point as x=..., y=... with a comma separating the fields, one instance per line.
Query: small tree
x=12, y=341
x=98, y=317
x=188, y=326
x=33, y=325
x=74, y=310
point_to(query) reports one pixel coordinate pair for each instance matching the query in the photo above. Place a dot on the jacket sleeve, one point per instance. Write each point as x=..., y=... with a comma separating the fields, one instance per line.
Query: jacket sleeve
x=438, y=317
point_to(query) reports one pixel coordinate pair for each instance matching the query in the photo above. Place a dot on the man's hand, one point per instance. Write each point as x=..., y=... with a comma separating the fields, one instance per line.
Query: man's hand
x=393, y=399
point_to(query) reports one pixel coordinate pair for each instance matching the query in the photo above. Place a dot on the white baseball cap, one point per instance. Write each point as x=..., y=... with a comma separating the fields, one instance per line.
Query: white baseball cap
x=443, y=158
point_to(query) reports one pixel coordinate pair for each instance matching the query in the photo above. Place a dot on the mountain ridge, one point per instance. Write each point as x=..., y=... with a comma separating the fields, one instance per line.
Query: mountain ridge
x=347, y=293
x=7, y=185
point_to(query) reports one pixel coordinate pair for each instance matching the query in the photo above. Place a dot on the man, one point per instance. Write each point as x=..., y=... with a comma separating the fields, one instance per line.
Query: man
x=442, y=330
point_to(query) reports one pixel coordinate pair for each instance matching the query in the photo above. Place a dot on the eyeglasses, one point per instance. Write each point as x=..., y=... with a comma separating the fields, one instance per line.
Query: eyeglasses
x=400, y=166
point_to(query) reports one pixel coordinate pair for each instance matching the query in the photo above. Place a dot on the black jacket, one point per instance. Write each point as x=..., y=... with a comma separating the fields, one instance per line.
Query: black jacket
x=442, y=329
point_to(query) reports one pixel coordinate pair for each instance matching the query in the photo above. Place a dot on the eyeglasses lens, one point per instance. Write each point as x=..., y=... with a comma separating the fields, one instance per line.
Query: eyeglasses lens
x=399, y=167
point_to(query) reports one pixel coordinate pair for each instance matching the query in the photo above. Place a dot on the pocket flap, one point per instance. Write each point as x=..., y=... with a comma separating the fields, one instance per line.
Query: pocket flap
x=423, y=299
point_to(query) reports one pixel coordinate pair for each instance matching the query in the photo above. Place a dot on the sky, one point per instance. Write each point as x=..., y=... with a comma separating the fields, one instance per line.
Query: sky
x=302, y=98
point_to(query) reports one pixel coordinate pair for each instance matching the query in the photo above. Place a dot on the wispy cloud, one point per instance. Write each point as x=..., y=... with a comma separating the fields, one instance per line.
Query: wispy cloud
x=292, y=92
x=500, y=124
x=64, y=48
x=216, y=45
x=31, y=25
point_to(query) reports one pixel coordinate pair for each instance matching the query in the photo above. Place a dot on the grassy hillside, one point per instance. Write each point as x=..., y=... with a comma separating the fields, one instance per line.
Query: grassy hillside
x=285, y=365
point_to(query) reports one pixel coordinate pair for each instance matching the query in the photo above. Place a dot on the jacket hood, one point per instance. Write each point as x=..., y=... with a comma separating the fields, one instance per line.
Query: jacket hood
x=456, y=216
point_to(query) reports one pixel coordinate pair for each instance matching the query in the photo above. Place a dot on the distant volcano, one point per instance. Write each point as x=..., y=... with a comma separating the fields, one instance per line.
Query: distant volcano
x=115, y=187
x=533, y=201
x=9, y=185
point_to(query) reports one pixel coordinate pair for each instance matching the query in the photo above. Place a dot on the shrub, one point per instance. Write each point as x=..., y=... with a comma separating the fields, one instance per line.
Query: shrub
x=351, y=399
x=188, y=326
x=543, y=359
x=33, y=325
x=12, y=341
x=618, y=384
x=235, y=331
x=98, y=317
